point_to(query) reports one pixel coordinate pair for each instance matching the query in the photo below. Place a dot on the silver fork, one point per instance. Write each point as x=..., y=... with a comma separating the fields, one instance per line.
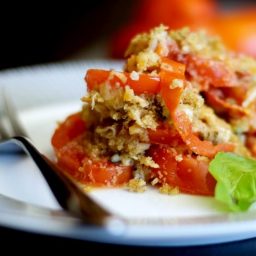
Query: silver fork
x=68, y=194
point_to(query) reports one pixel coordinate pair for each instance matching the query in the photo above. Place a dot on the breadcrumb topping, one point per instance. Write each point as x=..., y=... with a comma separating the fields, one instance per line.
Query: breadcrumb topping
x=169, y=190
x=137, y=185
x=119, y=121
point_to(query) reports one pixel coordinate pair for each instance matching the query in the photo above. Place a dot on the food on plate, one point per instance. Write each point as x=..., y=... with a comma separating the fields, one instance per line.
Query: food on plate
x=180, y=117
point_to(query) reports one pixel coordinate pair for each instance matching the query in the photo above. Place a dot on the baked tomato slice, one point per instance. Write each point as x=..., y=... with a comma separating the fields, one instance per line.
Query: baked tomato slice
x=165, y=134
x=210, y=72
x=70, y=150
x=194, y=143
x=103, y=172
x=171, y=93
x=140, y=83
x=216, y=99
x=188, y=173
x=72, y=127
x=73, y=160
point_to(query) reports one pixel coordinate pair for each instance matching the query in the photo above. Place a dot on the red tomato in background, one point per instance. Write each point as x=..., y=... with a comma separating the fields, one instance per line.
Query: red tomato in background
x=150, y=13
x=176, y=12
x=236, y=27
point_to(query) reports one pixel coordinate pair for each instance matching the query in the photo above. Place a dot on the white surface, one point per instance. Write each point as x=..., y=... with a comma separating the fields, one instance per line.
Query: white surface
x=45, y=95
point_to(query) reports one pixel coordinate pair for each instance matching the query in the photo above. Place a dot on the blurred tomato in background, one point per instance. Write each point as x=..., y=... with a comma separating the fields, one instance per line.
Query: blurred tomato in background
x=236, y=25
x=237, y=29
x=32, y=33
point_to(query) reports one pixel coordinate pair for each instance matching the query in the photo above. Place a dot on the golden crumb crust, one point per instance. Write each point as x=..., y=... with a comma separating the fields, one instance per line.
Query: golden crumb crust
x=119, y=121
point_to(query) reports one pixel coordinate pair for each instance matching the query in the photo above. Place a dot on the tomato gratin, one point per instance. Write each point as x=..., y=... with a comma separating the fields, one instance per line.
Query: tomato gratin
x=181, y=98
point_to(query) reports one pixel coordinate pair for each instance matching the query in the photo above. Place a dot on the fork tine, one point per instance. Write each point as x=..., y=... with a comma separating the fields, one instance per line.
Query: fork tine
x=3, y=131
x=12, y=116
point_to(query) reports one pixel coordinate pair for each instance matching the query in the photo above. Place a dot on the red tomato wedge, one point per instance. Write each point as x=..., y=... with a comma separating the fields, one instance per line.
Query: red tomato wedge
x=106, y=173
x=68, y=130
x=210, y=72
x=189, y=174
x=140, y=83
x=198, y=146
x=217, y=101
x=172, y=66
x=68, y=144
x=74, y=161
x=70, y=158
x=169, y=92
x=165, y=134
x=171, y=96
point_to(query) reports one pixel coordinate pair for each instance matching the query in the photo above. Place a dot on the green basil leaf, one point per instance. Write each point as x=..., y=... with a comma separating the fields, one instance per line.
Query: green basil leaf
x=236, y=180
